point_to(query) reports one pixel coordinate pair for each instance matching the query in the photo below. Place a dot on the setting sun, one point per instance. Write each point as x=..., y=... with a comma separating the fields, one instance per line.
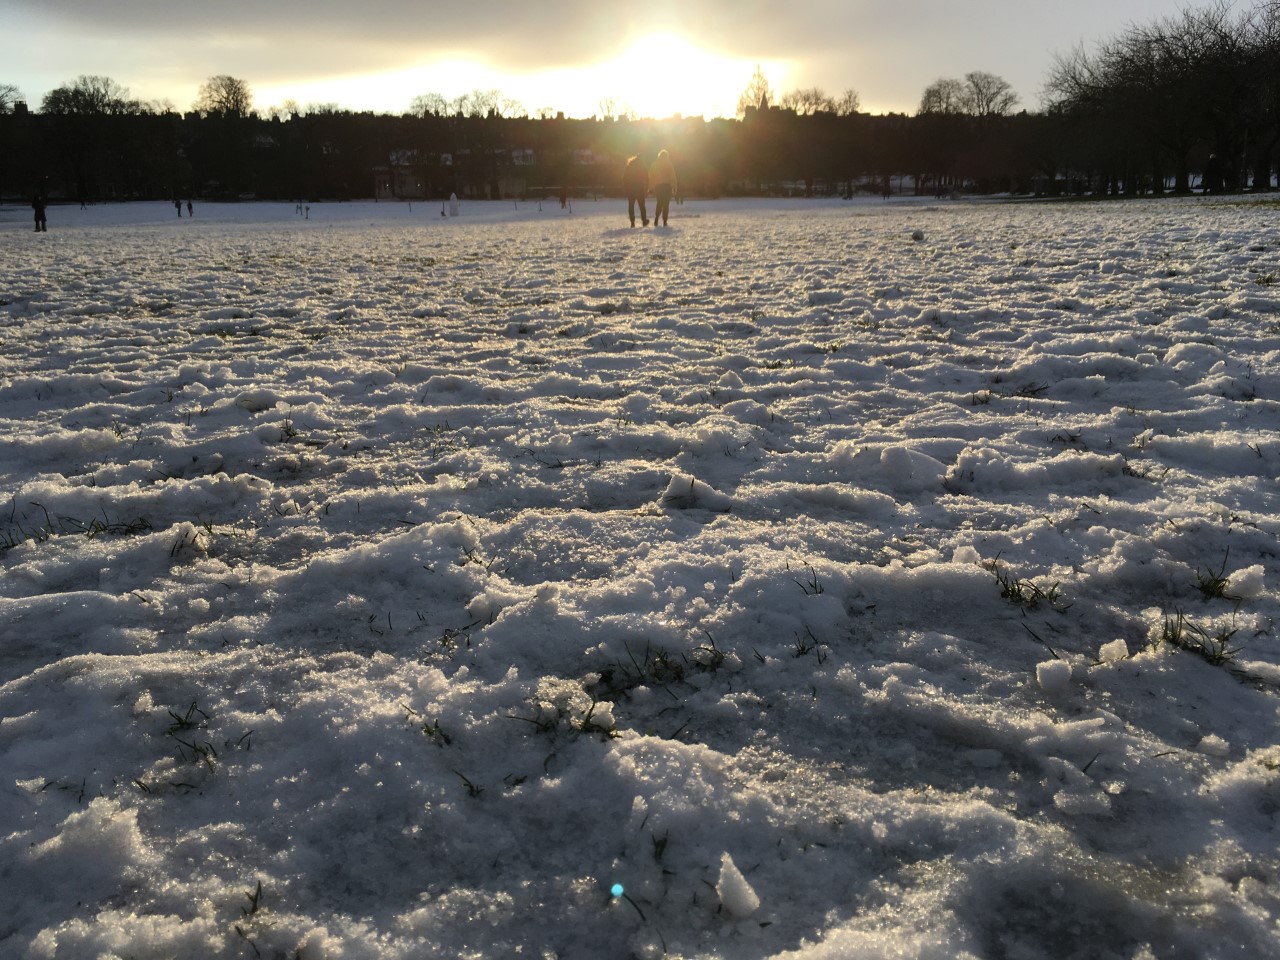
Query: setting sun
x=663, y=74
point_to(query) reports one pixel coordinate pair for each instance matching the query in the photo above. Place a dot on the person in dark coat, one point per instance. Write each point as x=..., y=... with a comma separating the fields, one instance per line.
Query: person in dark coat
x=662, y=177
x=38, y=206
x=635, y=181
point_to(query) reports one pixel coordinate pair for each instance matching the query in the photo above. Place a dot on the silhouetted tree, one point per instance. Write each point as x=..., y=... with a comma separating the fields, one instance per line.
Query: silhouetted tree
x=93, y=143
x=847, y=104
x=980, y=94
x=1263, y=68
x=1162, y=92
x=429, y=104
x=484, y=103
x=808, y=101
x=945, y=96
x=9, y=96
x=90, y=96
x=757, y=93
x=226, y=95
x=987, y=95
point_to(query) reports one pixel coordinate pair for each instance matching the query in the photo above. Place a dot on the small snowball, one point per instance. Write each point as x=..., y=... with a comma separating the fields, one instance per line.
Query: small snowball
x=736, y=895
x=966, y=555
x=1054, y=676
x=917, y=235
x=1113, y=651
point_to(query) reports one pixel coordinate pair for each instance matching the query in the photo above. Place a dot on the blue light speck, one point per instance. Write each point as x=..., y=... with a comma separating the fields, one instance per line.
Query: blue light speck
x=616, y=889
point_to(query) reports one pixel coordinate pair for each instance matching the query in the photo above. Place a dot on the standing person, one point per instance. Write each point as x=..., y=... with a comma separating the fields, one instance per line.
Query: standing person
x=1212, y=180
x=177, y=205
x=38, y=207
x=662, y=177
x=190, y=211
x=635, y=181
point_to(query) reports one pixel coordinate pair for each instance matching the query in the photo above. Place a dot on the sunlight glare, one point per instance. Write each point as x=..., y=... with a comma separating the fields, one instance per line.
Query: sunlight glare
x=657, y=75
x=662, y=74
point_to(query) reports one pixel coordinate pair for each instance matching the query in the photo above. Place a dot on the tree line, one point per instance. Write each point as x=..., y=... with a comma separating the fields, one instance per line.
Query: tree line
x=1190, y=101
x=1195, y=92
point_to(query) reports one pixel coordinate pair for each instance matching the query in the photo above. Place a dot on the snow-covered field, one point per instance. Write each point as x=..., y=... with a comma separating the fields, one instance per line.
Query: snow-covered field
x=807, y=580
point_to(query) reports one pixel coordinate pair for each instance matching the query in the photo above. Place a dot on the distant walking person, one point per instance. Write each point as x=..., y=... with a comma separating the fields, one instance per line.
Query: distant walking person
x=38, y=206
x=190, y=211
x=662, y=177
x=177, y=205
x=635, y=181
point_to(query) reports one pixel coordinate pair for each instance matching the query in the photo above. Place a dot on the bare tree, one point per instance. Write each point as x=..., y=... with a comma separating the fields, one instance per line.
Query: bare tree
x=482, y=103
x=807, y=101
x=945, y=95
x=1161, y=91
x=509, y=107
x=757, y=93
x=989, y=95
x=847, y=103
x=226, y=95
x=158, y=107
x=90, y=95
x=428, y=104
x=286, y=110
x=9, y=97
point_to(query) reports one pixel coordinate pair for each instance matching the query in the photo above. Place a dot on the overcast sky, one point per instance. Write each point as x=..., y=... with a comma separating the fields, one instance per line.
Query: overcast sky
x=565, y=54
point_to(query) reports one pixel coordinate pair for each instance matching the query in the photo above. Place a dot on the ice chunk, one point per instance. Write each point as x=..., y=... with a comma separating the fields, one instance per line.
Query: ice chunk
x=1054, y=676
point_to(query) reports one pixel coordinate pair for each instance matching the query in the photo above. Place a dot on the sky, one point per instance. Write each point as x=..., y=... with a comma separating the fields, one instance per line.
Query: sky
x=656, y=58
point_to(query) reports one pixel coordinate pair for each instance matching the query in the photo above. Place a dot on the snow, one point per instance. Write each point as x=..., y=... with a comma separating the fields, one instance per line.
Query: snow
x=736, y=895
x=1054, y=676
x=383, y=585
